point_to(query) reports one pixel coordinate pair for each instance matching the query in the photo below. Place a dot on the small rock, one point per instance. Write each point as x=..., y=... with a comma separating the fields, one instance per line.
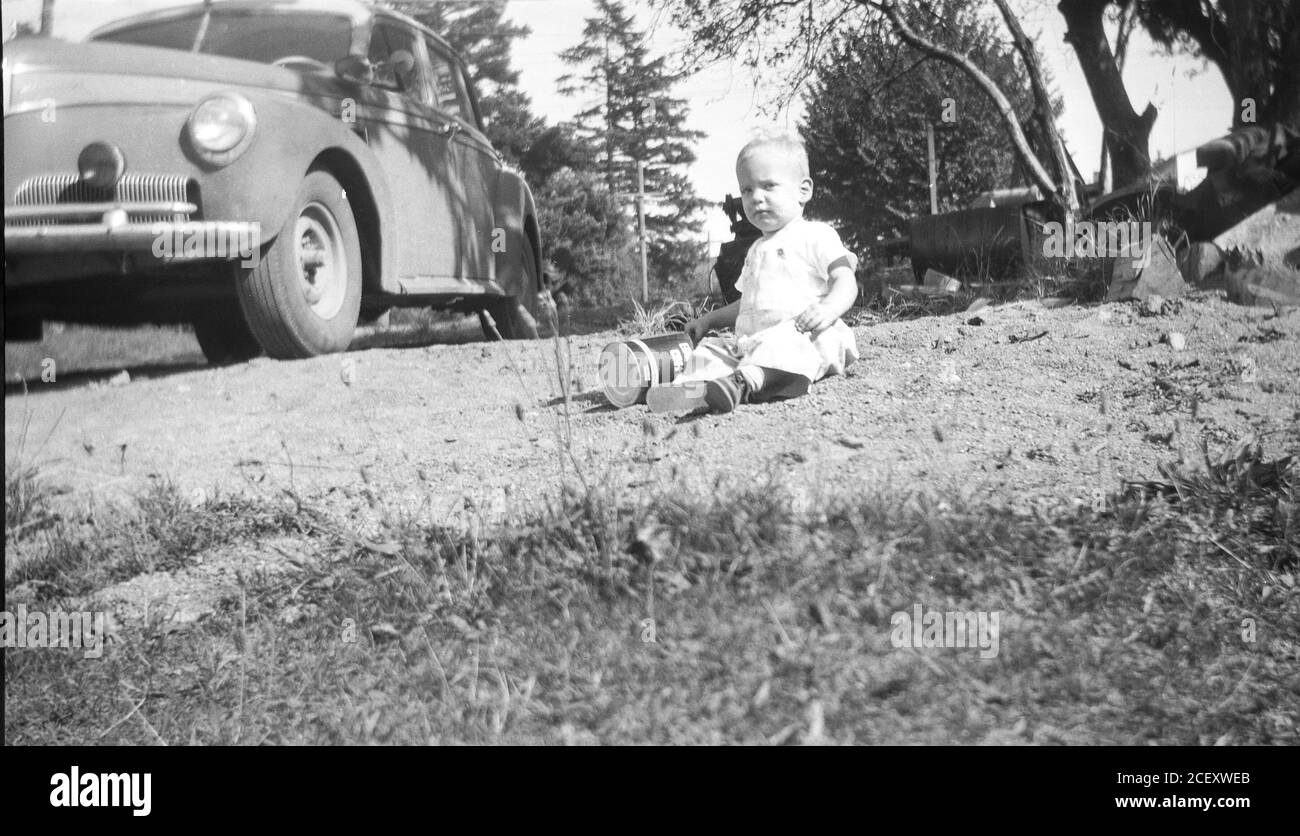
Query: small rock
x=1176, y=340
x=1249, y=371
x=1201, y=264
x=122, y=378
x=1153, y=305
x=191, y=613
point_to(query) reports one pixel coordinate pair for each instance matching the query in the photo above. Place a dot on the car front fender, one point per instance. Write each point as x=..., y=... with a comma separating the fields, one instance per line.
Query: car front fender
x=60, y=113
x=516, y=220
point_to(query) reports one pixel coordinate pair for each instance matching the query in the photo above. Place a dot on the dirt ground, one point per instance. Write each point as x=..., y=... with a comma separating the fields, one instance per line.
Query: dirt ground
x=1018, y=403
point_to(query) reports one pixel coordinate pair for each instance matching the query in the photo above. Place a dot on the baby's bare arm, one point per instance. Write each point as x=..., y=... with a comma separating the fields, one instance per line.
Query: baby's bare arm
x=837, y=301
x=724, y=317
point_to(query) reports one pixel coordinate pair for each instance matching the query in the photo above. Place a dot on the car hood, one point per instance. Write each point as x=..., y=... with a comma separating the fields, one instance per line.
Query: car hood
x=47, y=55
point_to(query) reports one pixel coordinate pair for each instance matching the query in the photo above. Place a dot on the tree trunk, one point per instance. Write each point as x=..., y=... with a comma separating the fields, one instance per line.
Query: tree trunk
x=1021, y=145
x=1128, y=134
x=47, y=18
x=1253, y=64
x=1105, y=180
x=1286, y=90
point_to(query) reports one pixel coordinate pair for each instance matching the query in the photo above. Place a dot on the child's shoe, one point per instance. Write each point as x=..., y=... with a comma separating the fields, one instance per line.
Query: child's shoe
x=726, y=393
x=675, y=397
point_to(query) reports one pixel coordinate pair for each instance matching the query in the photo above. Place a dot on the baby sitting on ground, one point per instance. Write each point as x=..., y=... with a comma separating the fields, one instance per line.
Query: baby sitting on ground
x=797, y=282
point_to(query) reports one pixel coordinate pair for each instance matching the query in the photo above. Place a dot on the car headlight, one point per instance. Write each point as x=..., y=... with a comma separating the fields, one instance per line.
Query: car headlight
x=221, y=127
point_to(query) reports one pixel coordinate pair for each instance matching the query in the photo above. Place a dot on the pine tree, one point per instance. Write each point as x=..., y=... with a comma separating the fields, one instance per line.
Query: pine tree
x=631, y=117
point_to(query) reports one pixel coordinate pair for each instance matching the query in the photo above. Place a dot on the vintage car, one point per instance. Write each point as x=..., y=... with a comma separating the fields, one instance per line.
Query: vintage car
x=271, y=172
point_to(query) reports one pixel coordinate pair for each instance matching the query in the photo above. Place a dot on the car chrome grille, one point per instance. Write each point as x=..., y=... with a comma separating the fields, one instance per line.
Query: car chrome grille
x=131, y=190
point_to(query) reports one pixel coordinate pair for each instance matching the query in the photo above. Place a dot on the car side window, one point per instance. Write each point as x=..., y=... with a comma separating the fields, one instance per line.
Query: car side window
x=445, y=88
x=387, y=41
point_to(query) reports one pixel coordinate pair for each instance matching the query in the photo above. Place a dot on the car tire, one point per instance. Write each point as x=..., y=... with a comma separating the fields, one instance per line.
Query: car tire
x=24, y=330
x=515, y=317
x=225, y=337
x=296, y=309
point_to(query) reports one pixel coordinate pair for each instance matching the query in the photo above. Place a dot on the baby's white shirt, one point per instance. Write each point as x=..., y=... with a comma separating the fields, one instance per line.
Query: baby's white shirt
x=787, y=271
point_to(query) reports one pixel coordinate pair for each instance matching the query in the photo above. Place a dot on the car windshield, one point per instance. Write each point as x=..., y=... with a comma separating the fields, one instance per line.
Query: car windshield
x=263, y=35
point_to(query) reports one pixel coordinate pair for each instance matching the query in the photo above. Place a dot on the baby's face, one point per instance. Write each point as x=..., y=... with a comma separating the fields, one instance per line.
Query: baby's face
x=771, y=188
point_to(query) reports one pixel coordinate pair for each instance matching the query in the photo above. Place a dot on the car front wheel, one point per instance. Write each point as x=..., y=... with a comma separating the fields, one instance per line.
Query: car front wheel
x=23, y=329
x=303, y=297
x=515, y=317
x=224, y=336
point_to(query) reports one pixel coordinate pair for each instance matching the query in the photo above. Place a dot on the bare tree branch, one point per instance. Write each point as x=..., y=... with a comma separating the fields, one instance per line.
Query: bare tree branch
x=1032, y=164
x=1043, y=107
x=1126, y=132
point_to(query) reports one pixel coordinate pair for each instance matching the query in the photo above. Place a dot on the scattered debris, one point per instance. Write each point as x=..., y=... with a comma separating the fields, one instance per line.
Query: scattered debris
x=1154, y=305
x=913, y=291
x=1264, y=286
x=1155, y=275
x=1248, y=371
x=1026, y=337
x=944, y=342
x=1272, y=234
x=1262, y=259
x=1267, y=335
x=1201, y=265
x=940, y=281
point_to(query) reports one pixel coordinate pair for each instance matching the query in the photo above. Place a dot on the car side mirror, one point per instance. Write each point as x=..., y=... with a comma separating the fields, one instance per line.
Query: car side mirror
x=355, y=68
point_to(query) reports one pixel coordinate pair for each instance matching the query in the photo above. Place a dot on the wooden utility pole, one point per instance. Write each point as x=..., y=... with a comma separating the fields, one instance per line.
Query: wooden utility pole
x=640, y=224
x=934, y=186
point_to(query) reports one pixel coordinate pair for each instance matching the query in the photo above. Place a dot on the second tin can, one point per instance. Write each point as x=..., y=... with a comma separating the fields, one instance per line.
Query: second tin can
x=630, y=367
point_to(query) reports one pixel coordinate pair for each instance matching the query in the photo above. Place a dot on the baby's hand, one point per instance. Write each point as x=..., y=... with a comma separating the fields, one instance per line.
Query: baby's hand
x=697, y=329
x=817, y=318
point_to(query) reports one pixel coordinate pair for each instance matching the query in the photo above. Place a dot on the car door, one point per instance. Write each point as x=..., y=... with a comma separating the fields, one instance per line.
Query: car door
x=477, y=163
x=413, y=144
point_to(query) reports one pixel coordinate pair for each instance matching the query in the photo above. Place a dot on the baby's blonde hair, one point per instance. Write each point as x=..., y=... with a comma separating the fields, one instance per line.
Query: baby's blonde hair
x=785, y=141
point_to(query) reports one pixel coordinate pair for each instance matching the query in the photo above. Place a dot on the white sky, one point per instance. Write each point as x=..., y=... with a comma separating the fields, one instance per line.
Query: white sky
x=725, y=102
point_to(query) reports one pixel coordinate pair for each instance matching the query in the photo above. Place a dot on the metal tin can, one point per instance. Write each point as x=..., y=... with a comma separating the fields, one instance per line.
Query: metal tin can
x=628, y=368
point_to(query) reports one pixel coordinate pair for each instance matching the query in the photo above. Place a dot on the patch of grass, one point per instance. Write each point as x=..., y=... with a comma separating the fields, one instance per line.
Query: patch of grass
x=166, y=531
x=663, y=318
x=94, y=348
x=27, y=493
x=1252, y=500
x=26, y=498
x=733, y=616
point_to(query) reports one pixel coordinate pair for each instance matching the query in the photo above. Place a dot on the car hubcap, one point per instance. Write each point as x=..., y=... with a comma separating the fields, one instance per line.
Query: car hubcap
x=322, y=264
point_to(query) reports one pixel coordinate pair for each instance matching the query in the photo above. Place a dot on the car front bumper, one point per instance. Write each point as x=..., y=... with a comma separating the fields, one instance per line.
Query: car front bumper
x=45, y=230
